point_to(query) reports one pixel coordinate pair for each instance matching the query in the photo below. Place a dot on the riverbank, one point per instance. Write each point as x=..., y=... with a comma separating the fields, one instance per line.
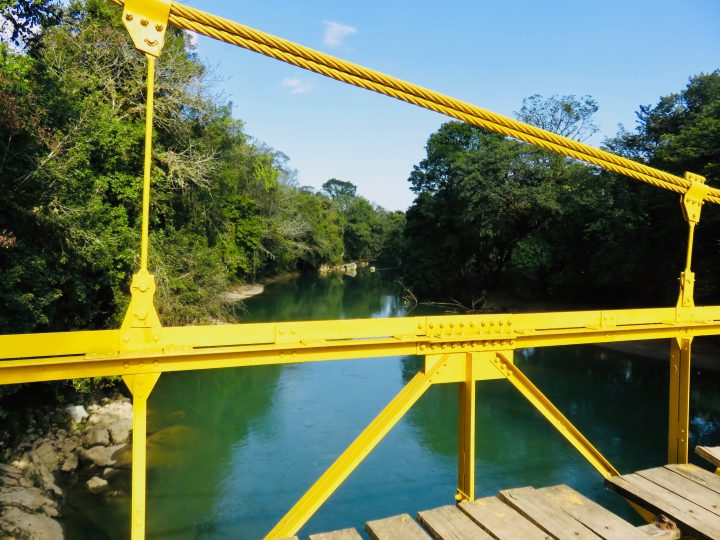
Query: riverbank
x=238, y=293
x=83, y=448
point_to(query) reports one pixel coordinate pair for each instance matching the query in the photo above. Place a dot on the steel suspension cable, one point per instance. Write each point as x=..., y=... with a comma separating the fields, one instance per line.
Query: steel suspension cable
x=431, y=105
x=327, y=65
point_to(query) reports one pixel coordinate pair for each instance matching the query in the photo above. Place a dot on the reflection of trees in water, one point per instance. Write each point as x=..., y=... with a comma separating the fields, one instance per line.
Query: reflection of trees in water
x=704, y=408
x=220, y=407
x=618, y=401
x=329, y=297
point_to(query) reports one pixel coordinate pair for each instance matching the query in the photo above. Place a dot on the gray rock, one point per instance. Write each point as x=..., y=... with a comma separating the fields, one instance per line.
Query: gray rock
x=45, y=454
x=70, y=464
x=27, y=499
x=102, y=456
x=70, y=445
x=77, y=413
x=18, y=524
x=120, y=430
x=9, y=481
x=47, y=480
x=96, y=484
x=95, y=436
x=26, y=482
x=10, y=470
x=108, y=472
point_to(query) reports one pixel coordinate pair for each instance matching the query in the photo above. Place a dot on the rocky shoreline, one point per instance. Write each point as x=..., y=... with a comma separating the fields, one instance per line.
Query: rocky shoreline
x=85, y=445
x=350, y=269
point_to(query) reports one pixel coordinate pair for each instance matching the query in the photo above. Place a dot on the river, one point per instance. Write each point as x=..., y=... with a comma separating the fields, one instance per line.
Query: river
x=234, y=449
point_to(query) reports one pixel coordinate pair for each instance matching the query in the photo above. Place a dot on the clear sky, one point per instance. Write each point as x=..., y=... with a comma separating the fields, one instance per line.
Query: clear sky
x=490, y=53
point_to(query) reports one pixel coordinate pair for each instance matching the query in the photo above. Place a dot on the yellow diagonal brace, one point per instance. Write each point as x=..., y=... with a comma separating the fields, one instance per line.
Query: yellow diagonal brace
x=355, y=453
x=140, y=386
x=531, y=392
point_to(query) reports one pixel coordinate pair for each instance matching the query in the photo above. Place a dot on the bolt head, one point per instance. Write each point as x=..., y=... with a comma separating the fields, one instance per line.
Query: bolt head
x=128, y=16
x=144, y=22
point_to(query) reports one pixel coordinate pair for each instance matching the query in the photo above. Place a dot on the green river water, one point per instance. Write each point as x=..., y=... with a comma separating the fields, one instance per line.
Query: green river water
x=232, y=450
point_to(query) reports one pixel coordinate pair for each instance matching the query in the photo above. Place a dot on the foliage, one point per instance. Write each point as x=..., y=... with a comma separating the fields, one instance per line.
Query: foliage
x=493, y=213
x=568, y=116
x=21, y=19
x=223, y=208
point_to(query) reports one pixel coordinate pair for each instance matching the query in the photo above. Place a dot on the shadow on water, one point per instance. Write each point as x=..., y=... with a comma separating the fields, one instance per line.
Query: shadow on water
x=253, y=440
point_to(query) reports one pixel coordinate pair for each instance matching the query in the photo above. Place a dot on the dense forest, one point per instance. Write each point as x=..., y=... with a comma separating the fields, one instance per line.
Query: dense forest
x=496, y=215
x=224, y=208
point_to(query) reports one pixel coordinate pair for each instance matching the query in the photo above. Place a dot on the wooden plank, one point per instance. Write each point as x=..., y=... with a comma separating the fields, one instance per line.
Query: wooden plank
x=344, y=534
x=450, y=523
x=697, y=475
x=710, y=453
x=546, y=515
x=691, y=519
x=401, y=527
x=693, y=492
x=502, y=521
x=596, y=518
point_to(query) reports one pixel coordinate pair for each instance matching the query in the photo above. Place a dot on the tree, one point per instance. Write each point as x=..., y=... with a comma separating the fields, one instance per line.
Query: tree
x=568, y=115
x=680, y=133
x=340, y=191
x=21, y=20
x=486, y=202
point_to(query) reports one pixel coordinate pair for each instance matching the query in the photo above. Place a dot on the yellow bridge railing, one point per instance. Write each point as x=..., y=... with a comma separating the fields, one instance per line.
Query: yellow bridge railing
x=457, y=349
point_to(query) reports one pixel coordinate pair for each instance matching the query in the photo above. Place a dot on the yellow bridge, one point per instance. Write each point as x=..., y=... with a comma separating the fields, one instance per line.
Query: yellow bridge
x=457, y=349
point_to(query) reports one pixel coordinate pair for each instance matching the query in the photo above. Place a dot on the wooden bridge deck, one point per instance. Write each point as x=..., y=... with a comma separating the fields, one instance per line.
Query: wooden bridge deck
x=685, y=498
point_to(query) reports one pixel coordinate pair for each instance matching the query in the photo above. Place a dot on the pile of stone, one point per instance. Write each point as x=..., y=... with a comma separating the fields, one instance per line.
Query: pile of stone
x=89, y=446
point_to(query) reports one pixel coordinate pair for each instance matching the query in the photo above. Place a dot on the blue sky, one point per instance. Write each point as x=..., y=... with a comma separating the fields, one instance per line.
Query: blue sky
x=492, y=54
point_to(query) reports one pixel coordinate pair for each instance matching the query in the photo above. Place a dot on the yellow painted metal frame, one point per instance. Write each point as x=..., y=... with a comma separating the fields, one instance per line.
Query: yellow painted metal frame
x=458, y=349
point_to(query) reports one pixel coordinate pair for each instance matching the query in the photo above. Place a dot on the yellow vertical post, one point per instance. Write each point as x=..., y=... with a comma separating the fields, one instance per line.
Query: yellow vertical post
x=680, y=349
x=149, y=105
x=679, y=413
x=140, y=386
x=466, y=434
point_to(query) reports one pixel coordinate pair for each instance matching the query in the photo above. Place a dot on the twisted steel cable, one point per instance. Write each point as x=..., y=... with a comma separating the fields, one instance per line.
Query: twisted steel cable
x=266, y=44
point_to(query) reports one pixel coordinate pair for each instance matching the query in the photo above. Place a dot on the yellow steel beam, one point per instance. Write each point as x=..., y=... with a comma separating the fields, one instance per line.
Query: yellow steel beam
x=518, y=379
x=308, y=504
x=530, y=329
x=55, y=356
x=140, y=386
x=679, y=410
